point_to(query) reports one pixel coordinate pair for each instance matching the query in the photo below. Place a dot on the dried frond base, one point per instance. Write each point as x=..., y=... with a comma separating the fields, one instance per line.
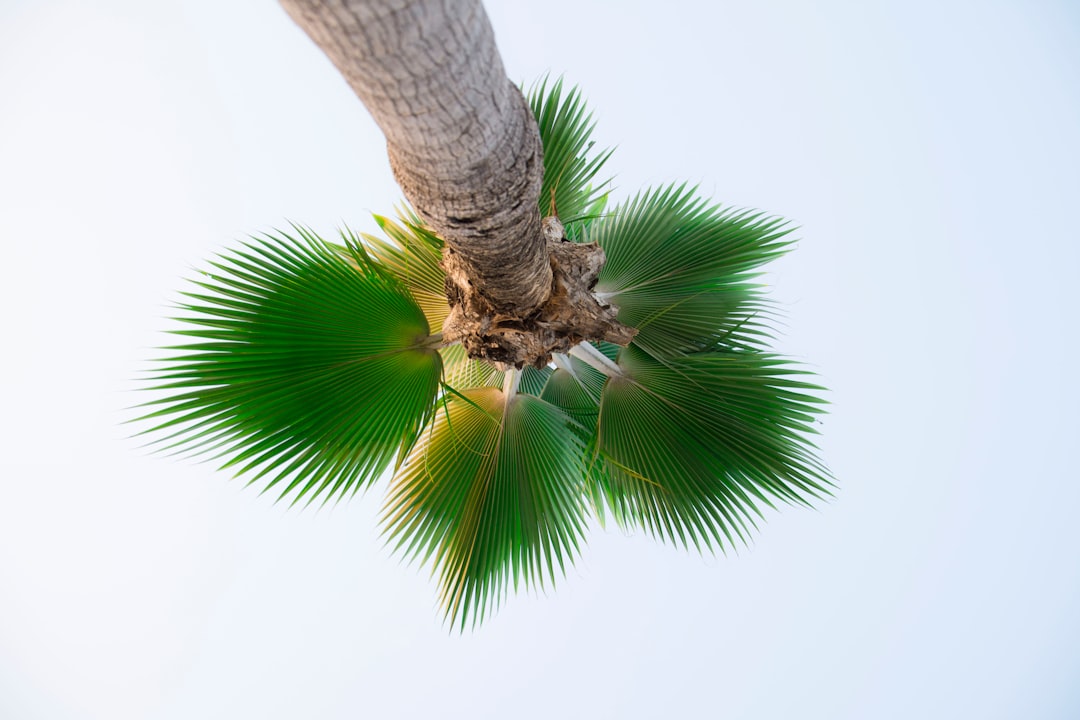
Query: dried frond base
x=571, y=314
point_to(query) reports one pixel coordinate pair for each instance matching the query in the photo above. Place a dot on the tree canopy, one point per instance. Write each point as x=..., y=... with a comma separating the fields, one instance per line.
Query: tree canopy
x=311, y=367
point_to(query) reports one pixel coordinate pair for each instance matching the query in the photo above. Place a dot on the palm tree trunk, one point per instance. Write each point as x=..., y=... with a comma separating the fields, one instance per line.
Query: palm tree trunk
x=465, y=148
x=463, y=143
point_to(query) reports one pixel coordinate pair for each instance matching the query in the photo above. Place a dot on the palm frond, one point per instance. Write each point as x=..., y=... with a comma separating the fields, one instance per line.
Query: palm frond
x=681, y=270
x=412, y=253
x=569, y=187
x=306, y=369
x=533, y=379
x=461, y=372
x=575, y=388
x=691, y=447
x=493, y=496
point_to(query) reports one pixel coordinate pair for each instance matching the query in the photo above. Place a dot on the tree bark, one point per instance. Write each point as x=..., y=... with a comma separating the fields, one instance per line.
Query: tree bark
x=462, y=141
x=465, y=148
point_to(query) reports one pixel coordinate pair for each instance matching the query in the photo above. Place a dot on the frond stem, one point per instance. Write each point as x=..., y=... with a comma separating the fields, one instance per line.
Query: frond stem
x=511, y=380
x=588, y=354
x=562, y=361
x=434, y=341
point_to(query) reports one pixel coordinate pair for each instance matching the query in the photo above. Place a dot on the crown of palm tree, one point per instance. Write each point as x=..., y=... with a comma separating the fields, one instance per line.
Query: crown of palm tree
x=309, y=367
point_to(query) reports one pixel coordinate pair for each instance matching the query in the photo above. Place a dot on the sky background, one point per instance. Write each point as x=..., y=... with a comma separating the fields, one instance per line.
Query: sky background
x=928, y=151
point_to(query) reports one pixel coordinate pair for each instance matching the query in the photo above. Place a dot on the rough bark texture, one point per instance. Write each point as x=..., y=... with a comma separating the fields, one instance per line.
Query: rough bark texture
x=464, y=147
x=570, y=314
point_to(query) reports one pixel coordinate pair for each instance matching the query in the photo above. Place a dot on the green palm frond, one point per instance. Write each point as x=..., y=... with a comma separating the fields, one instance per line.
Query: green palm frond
x=308, y=369
x=493, y=497
x=412, y=253
x=575, y=388
x=570, y=166
x=680, y=270
x=533, y=380
x=461, y=371
x=692, y=447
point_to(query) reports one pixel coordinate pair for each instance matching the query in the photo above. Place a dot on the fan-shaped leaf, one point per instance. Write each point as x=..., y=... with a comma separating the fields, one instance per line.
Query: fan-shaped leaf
x=307, y=369
x=691, y=447
x=492, y=494
x=412, y=253
x=575, y=387
x=533, y=380
x=570, y=166
x=461, y=372
x=680, y=270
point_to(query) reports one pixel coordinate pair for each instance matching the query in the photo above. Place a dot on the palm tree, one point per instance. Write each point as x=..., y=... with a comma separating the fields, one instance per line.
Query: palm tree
x=310, y=367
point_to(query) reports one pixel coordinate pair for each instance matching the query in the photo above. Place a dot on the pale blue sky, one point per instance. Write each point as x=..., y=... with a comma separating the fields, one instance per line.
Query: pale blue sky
x=930, y=153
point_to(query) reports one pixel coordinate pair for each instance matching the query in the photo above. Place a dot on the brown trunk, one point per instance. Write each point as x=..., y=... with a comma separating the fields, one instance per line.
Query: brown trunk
x=464, y=147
